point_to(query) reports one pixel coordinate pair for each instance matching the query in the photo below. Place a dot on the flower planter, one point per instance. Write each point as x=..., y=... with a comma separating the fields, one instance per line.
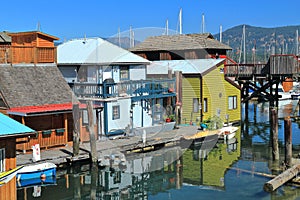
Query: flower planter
x=60, y=131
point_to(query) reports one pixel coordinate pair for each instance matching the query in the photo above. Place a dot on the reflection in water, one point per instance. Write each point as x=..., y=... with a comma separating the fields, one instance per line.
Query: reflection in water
x=230, y=170
x=145, y=175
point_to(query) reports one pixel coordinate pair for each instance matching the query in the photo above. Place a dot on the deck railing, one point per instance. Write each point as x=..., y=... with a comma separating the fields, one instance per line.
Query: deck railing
x=124, y=88
x=23, y=54
x=278, y=65
x=45, y=138
x=244, y=70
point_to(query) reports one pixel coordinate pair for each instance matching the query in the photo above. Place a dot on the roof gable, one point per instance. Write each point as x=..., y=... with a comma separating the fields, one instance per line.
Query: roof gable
x=9, y=126
x=95, y=51
x=179, y=42
x=25, y=85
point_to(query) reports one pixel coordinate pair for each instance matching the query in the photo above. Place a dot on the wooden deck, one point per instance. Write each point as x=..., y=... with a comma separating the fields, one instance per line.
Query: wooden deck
x=277, y=66
x=118, y=147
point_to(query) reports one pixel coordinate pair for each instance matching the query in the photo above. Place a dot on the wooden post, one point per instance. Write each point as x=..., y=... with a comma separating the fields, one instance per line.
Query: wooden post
x=94, y=181
x=76, y=132
x=66, y=127
x=92, y=132
x=282, y=178
x=274, y=134
x=288, y=141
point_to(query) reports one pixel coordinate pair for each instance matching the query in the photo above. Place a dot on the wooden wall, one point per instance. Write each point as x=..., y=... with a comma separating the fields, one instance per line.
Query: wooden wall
x=8, y=191
x=43, y=41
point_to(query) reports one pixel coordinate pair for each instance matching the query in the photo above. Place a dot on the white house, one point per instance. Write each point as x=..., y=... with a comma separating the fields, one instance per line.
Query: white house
x=115, y=79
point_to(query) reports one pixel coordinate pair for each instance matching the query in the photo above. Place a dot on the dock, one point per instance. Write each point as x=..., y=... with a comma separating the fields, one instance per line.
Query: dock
x=113, y=151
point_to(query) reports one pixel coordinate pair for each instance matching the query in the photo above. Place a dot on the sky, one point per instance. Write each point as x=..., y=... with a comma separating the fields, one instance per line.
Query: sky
x=68, y=19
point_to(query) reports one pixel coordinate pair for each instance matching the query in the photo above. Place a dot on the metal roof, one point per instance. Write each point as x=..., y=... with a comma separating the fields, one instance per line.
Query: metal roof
x=95, y=51
x=195, y=66
x=9, y=126
x=31, y=110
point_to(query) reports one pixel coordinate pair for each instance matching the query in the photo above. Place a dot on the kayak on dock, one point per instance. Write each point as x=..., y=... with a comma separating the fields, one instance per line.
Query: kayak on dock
x=6, y=176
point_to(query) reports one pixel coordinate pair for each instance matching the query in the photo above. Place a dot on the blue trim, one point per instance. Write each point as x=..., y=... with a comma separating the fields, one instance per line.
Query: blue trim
x=105, y=117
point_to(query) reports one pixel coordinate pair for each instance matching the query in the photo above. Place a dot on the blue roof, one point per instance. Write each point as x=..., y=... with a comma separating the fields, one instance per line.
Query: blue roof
x=9, y=126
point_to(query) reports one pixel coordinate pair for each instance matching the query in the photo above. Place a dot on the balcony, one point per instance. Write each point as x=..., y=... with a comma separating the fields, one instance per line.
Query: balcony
x=141, y=89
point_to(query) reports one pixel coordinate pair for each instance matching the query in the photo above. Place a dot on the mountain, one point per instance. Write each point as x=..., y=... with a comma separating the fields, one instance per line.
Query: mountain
x=123, y=42
x=266, y=41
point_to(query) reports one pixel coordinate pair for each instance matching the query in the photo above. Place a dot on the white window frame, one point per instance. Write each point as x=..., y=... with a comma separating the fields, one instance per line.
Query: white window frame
x=2, y=160
x=195, y=105
x=232, y=102
x=116, y=115
x=205, y=105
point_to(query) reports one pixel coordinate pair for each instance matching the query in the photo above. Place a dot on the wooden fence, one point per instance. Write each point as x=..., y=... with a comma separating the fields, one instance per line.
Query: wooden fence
x=16, y=54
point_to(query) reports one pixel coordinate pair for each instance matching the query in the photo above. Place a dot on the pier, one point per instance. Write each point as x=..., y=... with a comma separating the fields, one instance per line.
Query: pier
x=112, y=151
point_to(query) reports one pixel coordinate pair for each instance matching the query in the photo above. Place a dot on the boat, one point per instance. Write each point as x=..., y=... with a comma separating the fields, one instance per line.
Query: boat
x=228, y=132
x=6, y=176
x=38, y=170
x=36, y=182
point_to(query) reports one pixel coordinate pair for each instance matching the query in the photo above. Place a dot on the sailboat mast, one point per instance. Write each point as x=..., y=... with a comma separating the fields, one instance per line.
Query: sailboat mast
x=203, y=24
x=244, y=38
x=297, y=43
x=167, y=27
x=221, y=33
x=119, y=37
x=180, y=21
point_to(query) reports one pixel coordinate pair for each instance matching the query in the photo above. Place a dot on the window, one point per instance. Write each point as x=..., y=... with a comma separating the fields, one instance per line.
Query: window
x=124, y=72
x=195, y=105
x=205, y=106
x=232, y=102
x=116, y=112
x=2, y=160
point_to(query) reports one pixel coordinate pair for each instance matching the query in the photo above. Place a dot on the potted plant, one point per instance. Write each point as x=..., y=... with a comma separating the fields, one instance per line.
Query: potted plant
x=169, y=118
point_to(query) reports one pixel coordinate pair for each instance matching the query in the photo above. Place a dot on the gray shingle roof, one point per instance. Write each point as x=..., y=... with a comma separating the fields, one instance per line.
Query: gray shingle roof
x=33, y=85
x=4, y=38
x=179, y=42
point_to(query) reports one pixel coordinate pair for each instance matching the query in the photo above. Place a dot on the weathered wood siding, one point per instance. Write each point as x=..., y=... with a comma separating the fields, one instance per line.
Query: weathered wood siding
x=190, y=90
x=217, y=90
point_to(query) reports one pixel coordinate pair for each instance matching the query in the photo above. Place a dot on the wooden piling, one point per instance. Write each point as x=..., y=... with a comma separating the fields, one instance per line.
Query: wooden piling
x=274, y=134
x=76, y=132
x=92, y=132
x=282, y=178
x=288, y=141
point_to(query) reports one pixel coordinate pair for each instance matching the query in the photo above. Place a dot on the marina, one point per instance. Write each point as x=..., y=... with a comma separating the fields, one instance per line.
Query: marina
x=171, y=116
x=237, y=169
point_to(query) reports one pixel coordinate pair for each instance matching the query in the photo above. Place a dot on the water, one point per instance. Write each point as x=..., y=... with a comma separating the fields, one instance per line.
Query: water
x=211, y=171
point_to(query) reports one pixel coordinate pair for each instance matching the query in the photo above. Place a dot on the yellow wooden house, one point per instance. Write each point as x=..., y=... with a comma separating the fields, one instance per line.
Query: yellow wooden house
x=202, y=89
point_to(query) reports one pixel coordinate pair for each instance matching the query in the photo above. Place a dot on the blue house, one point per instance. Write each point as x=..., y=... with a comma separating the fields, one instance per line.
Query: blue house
x=115, y=80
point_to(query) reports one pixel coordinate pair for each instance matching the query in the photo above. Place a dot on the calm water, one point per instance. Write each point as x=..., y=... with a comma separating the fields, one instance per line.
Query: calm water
x=212, y=170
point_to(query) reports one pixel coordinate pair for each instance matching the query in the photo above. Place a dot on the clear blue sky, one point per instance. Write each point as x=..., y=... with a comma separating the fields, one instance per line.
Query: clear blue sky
x=73, y=19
